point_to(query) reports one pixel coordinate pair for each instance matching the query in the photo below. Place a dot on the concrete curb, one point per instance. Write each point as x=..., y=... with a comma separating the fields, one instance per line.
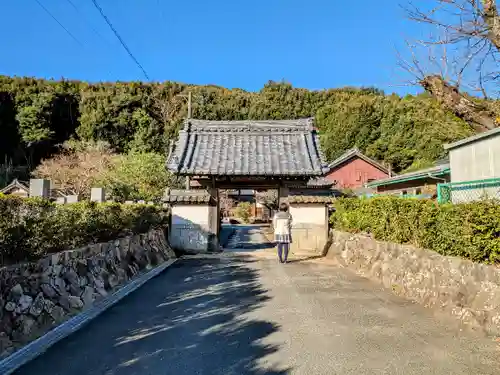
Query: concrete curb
x=42, y=344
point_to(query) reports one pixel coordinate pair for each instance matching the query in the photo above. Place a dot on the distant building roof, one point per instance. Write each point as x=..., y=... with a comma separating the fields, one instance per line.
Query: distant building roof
x=16, y=184
x=474, y=138
x=248, y=148
x=320, y=182
x=193, y=196
x=25, y=185
x=436, y=171
x=354, y=152
x=313, y=196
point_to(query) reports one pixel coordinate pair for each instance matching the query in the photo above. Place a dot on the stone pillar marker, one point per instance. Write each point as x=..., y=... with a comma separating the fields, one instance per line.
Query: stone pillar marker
x=40, y=188
x=72, y=199
x=97, y=195
x=61, y=200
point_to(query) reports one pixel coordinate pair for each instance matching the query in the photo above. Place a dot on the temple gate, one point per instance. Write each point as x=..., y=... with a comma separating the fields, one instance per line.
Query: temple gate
x=269, y=154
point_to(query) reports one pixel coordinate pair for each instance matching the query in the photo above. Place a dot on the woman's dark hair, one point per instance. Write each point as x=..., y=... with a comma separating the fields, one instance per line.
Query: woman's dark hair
x=283, y=207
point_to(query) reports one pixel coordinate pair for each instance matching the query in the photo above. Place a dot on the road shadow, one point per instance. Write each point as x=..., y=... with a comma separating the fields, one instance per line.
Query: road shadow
x=190, y=320
x=312, y=257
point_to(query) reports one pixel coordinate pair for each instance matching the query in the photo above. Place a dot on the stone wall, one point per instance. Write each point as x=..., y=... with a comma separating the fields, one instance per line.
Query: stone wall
x=469, y=291
x=35, y=297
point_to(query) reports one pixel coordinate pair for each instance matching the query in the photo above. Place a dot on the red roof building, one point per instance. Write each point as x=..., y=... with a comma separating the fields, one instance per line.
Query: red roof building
x=353, y=170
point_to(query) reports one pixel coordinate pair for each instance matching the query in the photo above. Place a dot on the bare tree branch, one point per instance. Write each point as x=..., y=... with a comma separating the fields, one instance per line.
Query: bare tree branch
x=469, y=41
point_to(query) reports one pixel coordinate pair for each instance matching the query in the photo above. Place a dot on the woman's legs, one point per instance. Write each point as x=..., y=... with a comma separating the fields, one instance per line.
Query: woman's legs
x=283, y=248
x=280, y=251
x=286, y=247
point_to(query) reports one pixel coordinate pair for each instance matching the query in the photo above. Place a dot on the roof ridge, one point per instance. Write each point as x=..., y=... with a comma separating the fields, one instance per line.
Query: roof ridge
x=280, y=148
x=356, y=152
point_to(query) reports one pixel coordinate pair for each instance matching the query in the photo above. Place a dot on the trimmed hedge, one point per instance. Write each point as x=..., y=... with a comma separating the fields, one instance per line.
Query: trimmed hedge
x=32, y=228
x=469, y=230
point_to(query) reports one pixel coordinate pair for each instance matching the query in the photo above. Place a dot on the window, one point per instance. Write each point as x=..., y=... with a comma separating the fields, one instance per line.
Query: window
x=358, y=175
x=404, y=192
x=418, y=191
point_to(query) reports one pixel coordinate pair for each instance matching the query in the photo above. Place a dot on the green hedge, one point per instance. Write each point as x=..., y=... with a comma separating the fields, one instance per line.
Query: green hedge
x=32, y=228
x=470, y=230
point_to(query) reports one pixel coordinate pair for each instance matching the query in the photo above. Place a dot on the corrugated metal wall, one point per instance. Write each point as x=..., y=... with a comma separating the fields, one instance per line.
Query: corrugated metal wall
x=476, y=161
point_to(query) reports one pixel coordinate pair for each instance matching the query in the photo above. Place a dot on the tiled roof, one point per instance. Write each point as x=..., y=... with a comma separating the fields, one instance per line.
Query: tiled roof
x=248, y=148
x=320, y=182
x=16, y=184
x=196, y=196
x=311, y=199
x=313, y=196
x=354, y=152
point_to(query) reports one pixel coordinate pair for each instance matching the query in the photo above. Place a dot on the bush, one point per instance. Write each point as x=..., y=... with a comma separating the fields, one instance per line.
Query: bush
x=243, y=211
x=470, y=230
x=32, y=228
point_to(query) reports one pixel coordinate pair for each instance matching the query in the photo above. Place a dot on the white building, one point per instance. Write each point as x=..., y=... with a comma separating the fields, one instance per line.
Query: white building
x=475, y=167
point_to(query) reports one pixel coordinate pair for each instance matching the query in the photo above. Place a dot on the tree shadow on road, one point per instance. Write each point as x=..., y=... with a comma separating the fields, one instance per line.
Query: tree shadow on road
x=190, y=320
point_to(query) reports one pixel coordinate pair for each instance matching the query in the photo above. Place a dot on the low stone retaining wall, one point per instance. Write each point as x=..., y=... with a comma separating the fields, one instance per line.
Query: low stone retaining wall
x=469, y=291
x=35, y=297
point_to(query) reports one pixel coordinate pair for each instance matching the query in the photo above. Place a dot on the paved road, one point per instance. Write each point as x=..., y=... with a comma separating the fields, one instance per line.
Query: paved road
x=245, y=314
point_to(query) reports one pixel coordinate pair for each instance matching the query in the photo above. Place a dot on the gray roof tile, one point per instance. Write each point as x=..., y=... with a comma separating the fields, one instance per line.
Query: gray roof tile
x=242, y=148
x=193, y=196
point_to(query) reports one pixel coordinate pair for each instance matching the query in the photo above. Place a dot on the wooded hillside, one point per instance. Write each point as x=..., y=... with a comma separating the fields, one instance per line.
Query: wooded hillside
x=36, y=115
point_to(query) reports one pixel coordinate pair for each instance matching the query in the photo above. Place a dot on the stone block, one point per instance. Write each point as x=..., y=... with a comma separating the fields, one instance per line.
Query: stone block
x=37, y=306
x=61, y=200
x=40, y=188
x=97, y=195
x=72, y=199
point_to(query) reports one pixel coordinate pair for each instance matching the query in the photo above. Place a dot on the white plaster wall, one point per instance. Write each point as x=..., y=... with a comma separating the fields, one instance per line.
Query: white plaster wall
x=308, y=214
x=191, y=214
x=190, y=227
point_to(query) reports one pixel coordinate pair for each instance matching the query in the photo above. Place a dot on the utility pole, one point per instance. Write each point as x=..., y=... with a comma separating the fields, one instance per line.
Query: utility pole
x=188, y=184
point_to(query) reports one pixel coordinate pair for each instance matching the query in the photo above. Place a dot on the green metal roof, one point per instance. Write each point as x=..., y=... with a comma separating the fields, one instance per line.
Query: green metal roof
x=436, y=171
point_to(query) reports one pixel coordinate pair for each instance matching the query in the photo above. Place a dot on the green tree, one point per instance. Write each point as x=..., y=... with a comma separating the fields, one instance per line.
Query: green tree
x=137, y=175
x=243, y=211
x=37, y=115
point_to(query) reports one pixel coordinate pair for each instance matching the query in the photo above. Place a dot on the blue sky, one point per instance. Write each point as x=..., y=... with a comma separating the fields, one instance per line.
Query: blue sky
x=314, y=44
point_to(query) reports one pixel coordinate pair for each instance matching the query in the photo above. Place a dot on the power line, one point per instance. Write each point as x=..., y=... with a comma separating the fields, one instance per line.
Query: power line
x=59, y=23
x=120, y=38
x=90, y=25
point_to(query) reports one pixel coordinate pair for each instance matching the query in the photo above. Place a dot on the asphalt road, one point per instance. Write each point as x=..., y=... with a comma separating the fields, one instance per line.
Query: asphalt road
x=244, y=313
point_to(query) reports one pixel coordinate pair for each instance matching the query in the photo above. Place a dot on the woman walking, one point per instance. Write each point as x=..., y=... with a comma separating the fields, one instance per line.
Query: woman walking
x=282, y=223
